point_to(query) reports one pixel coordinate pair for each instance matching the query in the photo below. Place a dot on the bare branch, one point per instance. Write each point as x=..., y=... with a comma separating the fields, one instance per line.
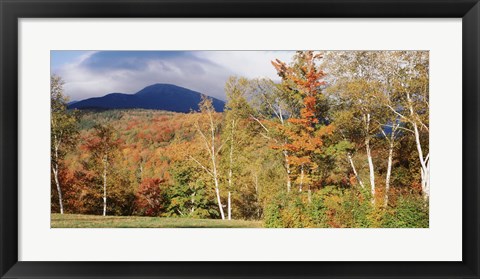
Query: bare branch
x=207, y=145
x=220, y=148
x=202, y=166
x=398, y=127
x=259, y=122
x=397, y=113
x=383, y=132
x=422, y=124
x=269, y=138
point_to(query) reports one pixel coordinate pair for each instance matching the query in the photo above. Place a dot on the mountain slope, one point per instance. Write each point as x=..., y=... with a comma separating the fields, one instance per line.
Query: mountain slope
x=157, y=96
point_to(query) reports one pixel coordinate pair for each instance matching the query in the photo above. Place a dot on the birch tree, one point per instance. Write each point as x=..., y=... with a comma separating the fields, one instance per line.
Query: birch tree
x=349, y=132
x=272, y=111
x=360, y=98
x=235, y=132
x=303, y=80
x=103, y=145
x=207, y=126
x=63, y=130
x=410, y=102
x=390, y=138
x=358, y=82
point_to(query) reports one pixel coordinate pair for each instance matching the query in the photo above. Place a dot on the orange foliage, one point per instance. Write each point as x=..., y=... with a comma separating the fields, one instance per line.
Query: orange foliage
x=304, y=138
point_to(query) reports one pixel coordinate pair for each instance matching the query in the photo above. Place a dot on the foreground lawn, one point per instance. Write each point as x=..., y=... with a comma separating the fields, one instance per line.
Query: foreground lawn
x=95, y=221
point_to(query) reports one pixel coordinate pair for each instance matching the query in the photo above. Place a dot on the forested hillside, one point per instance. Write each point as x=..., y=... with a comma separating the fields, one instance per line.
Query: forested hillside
x=156, y=96
x=341, y=141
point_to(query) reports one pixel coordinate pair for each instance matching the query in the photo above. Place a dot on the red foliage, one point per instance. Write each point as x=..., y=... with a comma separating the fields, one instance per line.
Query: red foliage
x=148, y=199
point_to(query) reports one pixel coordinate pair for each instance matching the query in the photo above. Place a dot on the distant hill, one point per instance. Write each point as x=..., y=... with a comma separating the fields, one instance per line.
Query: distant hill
x=157, y=96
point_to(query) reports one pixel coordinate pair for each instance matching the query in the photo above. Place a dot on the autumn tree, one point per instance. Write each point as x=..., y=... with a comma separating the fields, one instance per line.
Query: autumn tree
x=103, y=145
x=358, y=84
x=63, y=130
x=410, y=101
x=348, y=131
x=273, y=106
x=390, y=132
x=304, y=80
x=189, y=195
x=235, y=134
x=148, y=199
x=207, y=126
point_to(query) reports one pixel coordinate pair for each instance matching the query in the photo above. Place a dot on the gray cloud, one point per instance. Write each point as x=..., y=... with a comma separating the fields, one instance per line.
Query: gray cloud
x=100, y=73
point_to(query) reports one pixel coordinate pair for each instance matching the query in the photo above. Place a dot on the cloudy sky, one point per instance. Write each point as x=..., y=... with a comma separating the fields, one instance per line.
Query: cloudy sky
x=97, y=73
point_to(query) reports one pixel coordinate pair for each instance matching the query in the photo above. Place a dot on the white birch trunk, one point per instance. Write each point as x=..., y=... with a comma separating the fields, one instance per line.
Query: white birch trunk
x=279, y=115
x=210, y=147
x=59, y=190
x=285, y=152
x=350, y=159
x=391, y=145
x=230, y=172
x=217, y=187
x=425, y=166
x=179, y=212
x=301, y=178
x=55, y=167
x=55, y=174
x=256, y=183
x=229, y=206
x=288, y=170
x=369, y=156
x=192, y=200
x=214, y=166
x=219, y=201
x=424, y=161
x=105, y=162
x=427, y=182
x=389, y=173
x=256, y=193
x=371, y=169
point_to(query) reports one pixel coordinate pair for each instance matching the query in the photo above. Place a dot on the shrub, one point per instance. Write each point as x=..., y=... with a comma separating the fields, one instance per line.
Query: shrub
x=189, y=195
x=410, y=212
x=341, y=207
x=294, y=214
x=148, y=199
x=288, y=211
x=273, y=218
x=317, y=211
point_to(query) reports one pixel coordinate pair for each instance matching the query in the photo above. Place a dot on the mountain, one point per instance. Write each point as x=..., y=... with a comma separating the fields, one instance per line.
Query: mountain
x=157, y=96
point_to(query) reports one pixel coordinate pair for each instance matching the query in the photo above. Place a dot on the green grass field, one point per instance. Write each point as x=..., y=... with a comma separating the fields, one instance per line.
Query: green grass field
x=95, y=221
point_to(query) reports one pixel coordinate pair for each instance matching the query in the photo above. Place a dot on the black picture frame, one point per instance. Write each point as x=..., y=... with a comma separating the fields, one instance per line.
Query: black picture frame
x=11, y=11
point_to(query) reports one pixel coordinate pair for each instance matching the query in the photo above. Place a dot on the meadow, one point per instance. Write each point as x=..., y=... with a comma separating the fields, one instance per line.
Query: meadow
x=95, y=221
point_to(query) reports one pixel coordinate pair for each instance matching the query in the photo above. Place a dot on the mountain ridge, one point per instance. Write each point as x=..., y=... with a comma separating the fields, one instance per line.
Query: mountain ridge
x=158, y=96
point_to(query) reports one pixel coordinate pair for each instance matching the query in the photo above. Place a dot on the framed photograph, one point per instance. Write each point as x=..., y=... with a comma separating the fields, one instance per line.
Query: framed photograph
x=239, y=139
